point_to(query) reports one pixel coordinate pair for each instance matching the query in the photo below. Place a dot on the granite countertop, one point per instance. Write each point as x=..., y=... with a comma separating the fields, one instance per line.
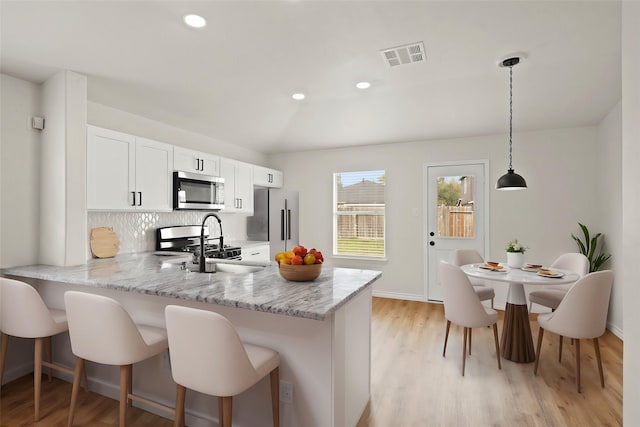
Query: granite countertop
x=264, y=290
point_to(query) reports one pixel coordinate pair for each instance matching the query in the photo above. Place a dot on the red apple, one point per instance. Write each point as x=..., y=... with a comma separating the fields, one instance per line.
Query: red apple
x=297, y=260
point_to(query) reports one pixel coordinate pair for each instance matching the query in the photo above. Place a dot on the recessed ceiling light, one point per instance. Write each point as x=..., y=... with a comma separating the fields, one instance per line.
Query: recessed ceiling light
x=298, y=96
x=363, y=85
x=195, y=21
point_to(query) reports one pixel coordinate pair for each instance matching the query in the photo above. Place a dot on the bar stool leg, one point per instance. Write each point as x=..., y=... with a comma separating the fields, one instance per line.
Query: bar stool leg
x=275, y=396
x=227, y=410
x=3, y=353
x=124, y=393
x=181, y=393
x=74, y=391
x=37, y=376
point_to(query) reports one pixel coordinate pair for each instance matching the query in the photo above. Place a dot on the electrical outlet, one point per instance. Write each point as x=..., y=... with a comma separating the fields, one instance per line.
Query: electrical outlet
x=286, y=392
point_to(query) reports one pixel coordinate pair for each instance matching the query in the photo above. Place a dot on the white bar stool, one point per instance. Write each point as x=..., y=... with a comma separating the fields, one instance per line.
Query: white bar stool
x=23, y=314
x=207, y=356
x=102, y=331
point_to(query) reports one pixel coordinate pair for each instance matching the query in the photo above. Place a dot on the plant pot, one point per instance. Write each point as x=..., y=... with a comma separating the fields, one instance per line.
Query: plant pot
x=515, y=259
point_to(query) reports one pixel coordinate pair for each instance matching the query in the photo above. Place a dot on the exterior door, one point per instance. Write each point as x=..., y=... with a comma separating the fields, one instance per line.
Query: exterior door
x=456, y=209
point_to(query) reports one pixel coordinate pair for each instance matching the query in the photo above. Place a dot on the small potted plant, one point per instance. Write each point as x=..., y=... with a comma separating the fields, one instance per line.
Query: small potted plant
x=515, y=254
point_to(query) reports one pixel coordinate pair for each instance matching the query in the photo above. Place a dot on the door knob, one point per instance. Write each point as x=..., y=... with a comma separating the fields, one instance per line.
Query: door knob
x=432, y=243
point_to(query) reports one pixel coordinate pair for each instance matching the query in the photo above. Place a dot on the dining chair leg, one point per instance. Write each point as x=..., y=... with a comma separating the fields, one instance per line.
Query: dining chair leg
x=560, y=349
x=596, y=346
x=49, y=355
x=446, y=337
x=4, y=344
x=37, y=376
x=85, y=379
x=464, y=349
x=470, y=331
x=124, y=390
x=495, y=338
x=227, y=411
x=539, y=347
x=74, y=391
x=578, y=365
x=275, y=396
x=181, y=393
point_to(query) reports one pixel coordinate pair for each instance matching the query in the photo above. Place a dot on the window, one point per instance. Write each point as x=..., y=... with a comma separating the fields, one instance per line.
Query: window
x=358, y=214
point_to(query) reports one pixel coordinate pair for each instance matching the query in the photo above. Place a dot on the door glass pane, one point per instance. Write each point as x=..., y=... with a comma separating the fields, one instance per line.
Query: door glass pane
x=456, y=207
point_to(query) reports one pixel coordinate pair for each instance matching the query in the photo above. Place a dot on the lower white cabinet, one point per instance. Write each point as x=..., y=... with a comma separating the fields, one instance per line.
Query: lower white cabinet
x=238, y=186
x=259, y=252
x=126, y=173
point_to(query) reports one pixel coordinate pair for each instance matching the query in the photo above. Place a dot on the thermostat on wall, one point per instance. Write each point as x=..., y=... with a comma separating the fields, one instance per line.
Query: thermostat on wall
x=37, y=123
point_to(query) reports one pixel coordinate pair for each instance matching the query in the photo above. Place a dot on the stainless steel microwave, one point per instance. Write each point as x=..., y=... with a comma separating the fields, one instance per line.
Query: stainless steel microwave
x=192, y=191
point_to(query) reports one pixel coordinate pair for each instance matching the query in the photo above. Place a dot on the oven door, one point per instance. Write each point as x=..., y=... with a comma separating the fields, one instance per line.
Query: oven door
x=197, y=192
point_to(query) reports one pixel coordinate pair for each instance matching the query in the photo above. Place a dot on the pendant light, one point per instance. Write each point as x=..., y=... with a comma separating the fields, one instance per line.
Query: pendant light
x=511, y=180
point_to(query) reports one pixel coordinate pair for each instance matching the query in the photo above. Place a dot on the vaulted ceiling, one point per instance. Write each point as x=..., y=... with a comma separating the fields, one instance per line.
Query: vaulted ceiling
x=233, y=79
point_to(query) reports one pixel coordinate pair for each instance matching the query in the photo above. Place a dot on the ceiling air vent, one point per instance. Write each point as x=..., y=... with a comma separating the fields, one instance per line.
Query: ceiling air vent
x=406, y=54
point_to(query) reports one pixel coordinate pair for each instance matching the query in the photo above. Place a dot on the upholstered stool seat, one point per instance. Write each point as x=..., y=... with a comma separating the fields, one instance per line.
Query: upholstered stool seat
x=102, y=331
x=23, y=314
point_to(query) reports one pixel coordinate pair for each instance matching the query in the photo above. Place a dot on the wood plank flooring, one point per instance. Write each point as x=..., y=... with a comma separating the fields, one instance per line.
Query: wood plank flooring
x=411, y=383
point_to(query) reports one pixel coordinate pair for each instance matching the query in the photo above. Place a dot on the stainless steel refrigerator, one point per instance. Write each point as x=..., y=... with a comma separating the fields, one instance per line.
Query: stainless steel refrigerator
x=275, y=219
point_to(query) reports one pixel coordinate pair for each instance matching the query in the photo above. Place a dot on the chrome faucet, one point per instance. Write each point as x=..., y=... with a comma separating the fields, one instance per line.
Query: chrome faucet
x=220, y=239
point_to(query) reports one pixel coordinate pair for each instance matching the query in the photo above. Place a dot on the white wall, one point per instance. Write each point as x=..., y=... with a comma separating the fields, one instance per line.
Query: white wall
x=554, y=163
x=628, y=274
x=19, y=163
x=608, y=202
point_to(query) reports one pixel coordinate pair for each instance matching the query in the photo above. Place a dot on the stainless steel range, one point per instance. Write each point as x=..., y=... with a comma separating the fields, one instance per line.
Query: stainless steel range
x=186, y=238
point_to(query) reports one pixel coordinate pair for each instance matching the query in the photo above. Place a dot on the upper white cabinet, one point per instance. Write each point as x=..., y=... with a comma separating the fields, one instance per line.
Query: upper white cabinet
x=238, y=186
x=265, y=177
x=195, y=162
x=125, y=172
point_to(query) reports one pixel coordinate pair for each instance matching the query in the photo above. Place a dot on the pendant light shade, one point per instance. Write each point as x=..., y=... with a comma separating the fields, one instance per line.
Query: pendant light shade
x=511, y=180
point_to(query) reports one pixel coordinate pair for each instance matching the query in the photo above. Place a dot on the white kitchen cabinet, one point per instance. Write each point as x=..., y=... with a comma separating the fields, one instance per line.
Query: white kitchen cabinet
x=266, y=177
x=195, y=162
x=125, y=172
x=238, y=186
x=256, y=252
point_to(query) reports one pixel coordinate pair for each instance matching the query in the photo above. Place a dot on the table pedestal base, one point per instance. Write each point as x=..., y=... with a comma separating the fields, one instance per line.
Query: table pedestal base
x=516, y=342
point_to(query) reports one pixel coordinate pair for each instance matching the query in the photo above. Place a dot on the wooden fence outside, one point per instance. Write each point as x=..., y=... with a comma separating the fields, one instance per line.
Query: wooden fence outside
x=455, y=221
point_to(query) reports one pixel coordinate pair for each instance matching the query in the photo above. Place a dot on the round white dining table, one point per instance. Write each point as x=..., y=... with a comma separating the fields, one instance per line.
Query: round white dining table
x=516, y=342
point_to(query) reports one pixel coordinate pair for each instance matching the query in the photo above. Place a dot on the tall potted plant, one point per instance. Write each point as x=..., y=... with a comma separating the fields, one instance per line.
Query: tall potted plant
x=591, y=248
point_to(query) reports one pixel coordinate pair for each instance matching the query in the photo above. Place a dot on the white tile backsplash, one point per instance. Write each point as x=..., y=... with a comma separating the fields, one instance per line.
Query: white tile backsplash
x=137, y=230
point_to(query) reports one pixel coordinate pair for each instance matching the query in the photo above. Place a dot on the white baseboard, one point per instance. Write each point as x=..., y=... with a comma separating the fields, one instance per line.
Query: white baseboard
x=17, y=372
x=395, y=295
x=615, y=330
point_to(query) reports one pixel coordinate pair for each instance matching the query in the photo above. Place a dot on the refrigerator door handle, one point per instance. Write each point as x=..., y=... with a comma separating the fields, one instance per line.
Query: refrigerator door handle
x=282, y=224
x=289, y=224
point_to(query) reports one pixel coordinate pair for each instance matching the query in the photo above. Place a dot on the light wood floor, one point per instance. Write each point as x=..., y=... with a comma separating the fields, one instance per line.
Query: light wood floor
x=412, y=384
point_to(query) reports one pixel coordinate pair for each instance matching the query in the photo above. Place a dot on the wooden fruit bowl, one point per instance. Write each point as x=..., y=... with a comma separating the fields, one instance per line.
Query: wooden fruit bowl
x=300, y=273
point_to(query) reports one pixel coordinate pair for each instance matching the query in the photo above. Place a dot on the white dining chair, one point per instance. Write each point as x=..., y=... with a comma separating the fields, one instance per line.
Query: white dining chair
x=23, y=314
x=551, y=296
x=462, y=257
x=582, y=314
x=462, y=307
x=102, y=331
x=207, y=356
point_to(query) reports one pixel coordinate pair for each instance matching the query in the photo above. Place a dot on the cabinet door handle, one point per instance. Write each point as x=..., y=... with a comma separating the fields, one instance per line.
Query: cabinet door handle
x=140, y=201
x=197, y=164
x=202, y=165
x=240, y=203
x=133, y=198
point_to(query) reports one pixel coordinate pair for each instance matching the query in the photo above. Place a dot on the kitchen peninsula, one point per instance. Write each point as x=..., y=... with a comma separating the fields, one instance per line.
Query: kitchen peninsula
x=322, y=330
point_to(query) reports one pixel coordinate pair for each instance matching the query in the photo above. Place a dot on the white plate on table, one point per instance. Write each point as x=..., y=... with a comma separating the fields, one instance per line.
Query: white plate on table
x=550, y=273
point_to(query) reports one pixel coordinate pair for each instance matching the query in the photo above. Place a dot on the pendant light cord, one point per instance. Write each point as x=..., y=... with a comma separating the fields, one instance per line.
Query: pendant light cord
x=510, y=113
